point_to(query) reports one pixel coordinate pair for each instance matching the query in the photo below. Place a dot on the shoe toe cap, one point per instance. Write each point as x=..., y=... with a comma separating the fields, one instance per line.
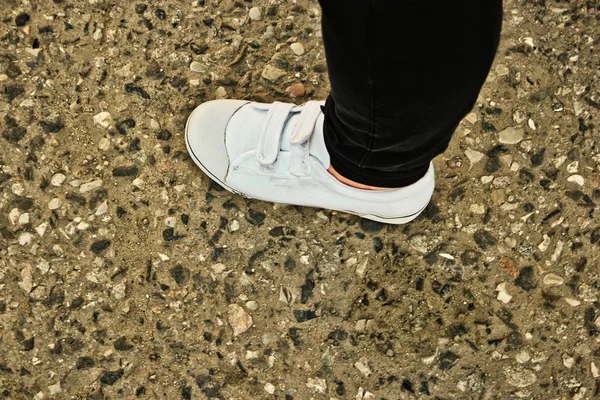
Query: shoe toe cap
x=205, y=135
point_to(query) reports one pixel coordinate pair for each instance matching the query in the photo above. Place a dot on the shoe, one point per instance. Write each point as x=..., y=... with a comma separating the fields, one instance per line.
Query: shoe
x=276, y=153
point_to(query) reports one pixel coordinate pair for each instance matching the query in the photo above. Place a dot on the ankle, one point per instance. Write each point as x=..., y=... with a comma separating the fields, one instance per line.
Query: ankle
x=351, y=183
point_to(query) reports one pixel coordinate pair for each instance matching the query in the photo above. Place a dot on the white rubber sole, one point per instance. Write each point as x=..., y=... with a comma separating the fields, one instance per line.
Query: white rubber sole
x=393, y=221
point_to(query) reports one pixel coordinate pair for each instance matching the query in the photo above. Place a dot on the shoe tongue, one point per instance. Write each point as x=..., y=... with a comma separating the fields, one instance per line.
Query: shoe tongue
x=317, y=147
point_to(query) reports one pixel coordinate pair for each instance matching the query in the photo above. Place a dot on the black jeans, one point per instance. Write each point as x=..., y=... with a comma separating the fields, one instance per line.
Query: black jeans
x=403, y=74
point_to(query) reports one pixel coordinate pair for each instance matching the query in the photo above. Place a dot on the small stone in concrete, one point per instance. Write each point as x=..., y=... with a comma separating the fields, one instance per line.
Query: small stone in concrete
x=578, y=179
x=255, y=14
x=296, y=90
x=58, y=179
x=512, y=135
x=269, y=388
x=317, y=384
x=553, y=280
x=197, y=67
x=271, y=73
x=103, y=119
x=88, y=187
x=54, y=204
x=474, y=156
x=239, y=319
x=297, y=48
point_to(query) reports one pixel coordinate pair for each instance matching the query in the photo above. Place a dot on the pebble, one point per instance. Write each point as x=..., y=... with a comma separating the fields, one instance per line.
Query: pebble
x=239, y=319
x=512, y=135
x=197, y=67
x=523, y=357
x=362, y=267
x=58, y=179
x=24, y=219
x=220, y=93
x=104, y=119
x=520, y=377
x=269, y=388
x=13, y=216
x=594, y=369
x=252, y=305
x=102, y=209
x=578, y=179
x=553, y=280
x=255, y=14
x=41, y=229
x=235, y=226
x=271, y=73
x=472, y=118
x=473, y=156
x=25, y=239
x=317, y=384
x=54, y=204
x=17, y=189
x=54, y=389
x=171, y=222
x=26, y=279
x=119, y=291
x=88, y=187
x=363, y=366
x=297, y=48
x=296, y=90
x=104, y=144
x=503, y=295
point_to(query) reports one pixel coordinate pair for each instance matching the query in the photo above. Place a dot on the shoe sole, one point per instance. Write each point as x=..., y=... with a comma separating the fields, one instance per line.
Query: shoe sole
x=394, y=221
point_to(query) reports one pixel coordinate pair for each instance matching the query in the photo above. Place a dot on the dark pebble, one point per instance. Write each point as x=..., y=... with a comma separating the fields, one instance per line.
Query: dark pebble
x=23, y=203
x=370, y=226
x=525, y=176
x=29, y=344
x=526, y=279
x=14, y=133
x=304, y=315
x=470, y=257
x=186, y=392
x=185, y=219
x=45, y=29
x=497, y=151
x=135, y=145
x=12, y=91
x=492, y=165
x=488, y=127
x=160, y=14
x=180, y=274
x=132, y=88
x=122, y=345
x=130, y=170
x=280, y=62
x=277, y=231
x=484, y=239
x=76, y=303
x=290, y=264
x=320, y=68
x=123, y=125
x=140, y=8
x=169, y=234
x=85, y=362
x=198, y=48
x=2, y=307
x=256, y=218
x=75, y=198
x=538, y=158
x=339, y=388
x=208, y=21
x=178, y=81
x=111, y=377
x=377, y=244
x=407, y=386
x=595, y=236
x=22, y=19
x=163, y=135
x=447, y=360
x=154, y=71
x=99, y=246
x=51, y=127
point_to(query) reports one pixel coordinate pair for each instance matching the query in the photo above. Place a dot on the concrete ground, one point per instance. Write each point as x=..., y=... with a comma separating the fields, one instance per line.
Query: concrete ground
x=124, y=271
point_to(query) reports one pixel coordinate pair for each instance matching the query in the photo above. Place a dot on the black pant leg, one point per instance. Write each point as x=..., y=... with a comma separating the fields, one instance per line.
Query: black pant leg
x=403, y=74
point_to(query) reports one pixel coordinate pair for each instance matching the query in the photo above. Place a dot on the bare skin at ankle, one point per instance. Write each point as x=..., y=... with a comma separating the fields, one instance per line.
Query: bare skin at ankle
x=350, y=183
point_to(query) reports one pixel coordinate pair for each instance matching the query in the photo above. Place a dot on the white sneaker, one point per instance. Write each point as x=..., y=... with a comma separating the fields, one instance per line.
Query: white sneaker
x=276, y=153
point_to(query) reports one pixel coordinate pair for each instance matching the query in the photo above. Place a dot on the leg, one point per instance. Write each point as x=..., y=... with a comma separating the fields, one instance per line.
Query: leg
x=403, y=74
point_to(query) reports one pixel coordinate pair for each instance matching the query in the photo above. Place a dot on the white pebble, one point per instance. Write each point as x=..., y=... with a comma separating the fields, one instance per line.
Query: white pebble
x=104, y=144
x=474, y=156
x=25, y=239
x=82, y=226
x=41, y=229
x=87, y=187
x=594, y=369
x=235, y=225
x=54, y=389
x=511, y=135
x=102, y=209
x=170, y=222
x=363, y=366
x=578, y=179
x=54, y=204
x=523, y=357
x=252, y=305
x=58, y=179
x=573, y=167
x=13, y=216
x=103, y=119
x=138, y=183
x=553, y=279
x=572, y=302
x=297, y=48
x=197, y=67
x=17, y=188
x=24, y=219
x=269, y=388
x=255, y=13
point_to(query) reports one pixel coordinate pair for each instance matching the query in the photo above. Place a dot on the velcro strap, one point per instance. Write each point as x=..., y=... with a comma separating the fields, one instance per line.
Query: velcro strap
x=306, y=124
x=269, y=142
